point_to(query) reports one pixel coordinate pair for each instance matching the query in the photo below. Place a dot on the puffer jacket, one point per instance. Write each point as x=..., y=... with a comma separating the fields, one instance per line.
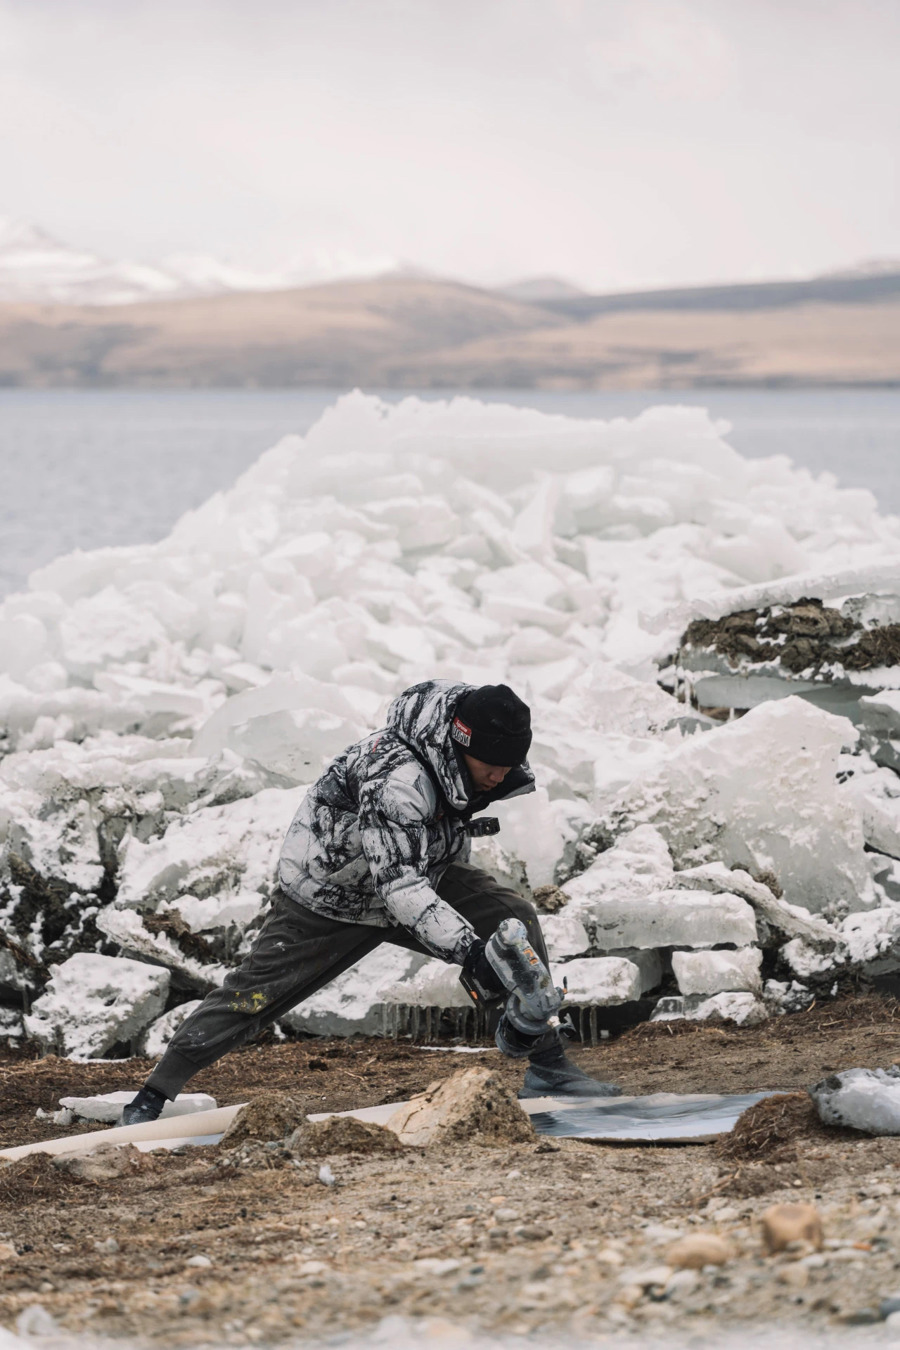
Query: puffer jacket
x=375, y=833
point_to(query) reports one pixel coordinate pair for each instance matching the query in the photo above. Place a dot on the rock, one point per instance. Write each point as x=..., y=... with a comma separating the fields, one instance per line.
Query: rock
x=95, y=1002
x=598, y=980
x=326, y=1176
x=471, y=1106
x=718, y=972
x=697, y=1250
x=107, y=1107
x=784, y=1224
x=861, y=1099
x=341, y=1134
x=889, y=1306
x=270, y=1116
x=103, y=1163
x=8, y=1252
x=199, y=1261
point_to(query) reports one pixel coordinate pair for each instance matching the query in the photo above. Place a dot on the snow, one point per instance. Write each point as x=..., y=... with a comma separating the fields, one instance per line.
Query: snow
x=38, y=269
x=106, y=1107
x=92, y=1002
x=162, y=707
x=863, y=1099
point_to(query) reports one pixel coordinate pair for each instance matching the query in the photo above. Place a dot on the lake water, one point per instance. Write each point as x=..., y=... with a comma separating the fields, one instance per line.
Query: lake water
x=85, y=468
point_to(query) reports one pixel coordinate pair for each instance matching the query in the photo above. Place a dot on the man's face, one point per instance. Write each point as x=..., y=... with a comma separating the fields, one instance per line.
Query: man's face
x=485, y=776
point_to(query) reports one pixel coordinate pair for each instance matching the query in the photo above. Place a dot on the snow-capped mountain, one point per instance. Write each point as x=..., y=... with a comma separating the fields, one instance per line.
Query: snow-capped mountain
x=36, y=268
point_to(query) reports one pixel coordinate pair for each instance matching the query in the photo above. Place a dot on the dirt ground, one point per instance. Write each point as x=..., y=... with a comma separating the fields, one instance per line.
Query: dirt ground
x=559, y=1237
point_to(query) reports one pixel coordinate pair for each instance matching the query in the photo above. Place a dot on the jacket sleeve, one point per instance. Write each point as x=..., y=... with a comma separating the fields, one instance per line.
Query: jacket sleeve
x=392, y=823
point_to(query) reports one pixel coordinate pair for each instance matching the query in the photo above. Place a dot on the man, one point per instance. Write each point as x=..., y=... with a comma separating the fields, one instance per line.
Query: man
x=378, y=852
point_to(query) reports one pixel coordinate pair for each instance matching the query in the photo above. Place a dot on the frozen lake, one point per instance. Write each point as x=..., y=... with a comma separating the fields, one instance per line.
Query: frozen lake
x=86, y=468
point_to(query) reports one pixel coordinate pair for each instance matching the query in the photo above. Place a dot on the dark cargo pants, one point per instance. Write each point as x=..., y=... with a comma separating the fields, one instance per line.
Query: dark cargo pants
x=298, y=951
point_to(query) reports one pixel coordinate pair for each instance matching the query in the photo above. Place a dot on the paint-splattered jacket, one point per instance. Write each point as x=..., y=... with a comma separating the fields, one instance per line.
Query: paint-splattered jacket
x=374, y=834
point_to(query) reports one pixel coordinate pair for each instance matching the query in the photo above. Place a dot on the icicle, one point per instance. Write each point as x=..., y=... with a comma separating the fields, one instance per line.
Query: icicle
x=593, y=1026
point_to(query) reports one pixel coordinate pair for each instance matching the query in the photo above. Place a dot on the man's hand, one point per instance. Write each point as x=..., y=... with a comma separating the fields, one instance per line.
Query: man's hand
x=479, y=979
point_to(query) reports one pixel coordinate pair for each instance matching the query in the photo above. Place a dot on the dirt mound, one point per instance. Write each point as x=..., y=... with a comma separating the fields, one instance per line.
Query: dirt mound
x=270, y=1116
x=472, y=1106
x=773, y=1127
x=342, y=1134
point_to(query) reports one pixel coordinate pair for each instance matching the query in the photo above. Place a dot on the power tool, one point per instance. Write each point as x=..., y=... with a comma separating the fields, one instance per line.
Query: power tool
x=532, y=999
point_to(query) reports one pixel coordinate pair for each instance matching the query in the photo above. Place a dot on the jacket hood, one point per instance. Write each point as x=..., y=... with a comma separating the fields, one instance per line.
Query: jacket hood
x=421, y=717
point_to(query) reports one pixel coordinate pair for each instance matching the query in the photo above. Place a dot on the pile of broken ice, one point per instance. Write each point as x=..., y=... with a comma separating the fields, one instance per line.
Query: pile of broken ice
x=162, y=708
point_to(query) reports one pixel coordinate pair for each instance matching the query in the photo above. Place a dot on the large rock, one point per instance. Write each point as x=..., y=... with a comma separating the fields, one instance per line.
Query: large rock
x=760, y=793
x=93, y=1003
x=470, y=1107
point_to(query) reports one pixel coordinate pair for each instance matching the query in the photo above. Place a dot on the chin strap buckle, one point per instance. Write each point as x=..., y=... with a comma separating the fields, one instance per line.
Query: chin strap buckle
x=479, y=829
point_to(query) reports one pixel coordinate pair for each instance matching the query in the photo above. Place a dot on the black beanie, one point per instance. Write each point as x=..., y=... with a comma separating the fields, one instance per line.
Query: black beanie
x=493, y=725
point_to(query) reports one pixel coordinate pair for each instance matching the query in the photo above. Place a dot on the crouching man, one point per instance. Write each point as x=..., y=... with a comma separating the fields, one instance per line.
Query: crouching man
x=378, y=852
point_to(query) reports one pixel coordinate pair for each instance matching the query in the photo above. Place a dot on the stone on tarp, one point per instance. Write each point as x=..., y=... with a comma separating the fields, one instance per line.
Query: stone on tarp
x=861, y=1099
x=107, y=1107
x=472, y=1106
x=93, y=1003
x=718, y=972
x=598, y=981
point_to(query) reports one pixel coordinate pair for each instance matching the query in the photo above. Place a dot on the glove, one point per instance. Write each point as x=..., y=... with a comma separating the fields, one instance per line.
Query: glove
x=479, y=979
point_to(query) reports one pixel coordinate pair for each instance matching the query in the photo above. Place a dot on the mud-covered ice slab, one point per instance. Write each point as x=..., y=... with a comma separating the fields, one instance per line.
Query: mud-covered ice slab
x=663, y=1118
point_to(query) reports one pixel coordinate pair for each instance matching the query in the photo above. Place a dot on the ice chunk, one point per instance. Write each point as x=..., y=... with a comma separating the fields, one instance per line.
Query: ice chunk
x=744, y=1009
x=598, y=980
x=564, y=934
x=434, y=985
x=157, y=1036
x=760, y=793
x=93, y=1003
x=627, y=899
x=860, y=1099
x=225, y=849
x=354, y=1002
x=718, y=972
x=106, y=1107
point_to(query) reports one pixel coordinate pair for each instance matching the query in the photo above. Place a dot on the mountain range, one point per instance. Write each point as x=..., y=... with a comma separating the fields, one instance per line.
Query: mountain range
x=71, y=319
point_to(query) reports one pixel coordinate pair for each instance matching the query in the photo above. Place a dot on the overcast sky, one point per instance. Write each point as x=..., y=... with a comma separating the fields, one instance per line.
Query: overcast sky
x=617, y=143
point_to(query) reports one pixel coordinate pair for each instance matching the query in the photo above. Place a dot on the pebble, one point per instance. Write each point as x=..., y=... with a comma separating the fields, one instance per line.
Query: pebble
x=892, y=1321
x=608, y=1256
x=312, y=1268
x=326, y=1176
x=784, y=1224
x=889, y=1305
x=107, y=1245
x=8, y=1252
x=796, y=1275
x=201, y=1262
x=432, y=1265
x=505, y=1215
x=698, y=1250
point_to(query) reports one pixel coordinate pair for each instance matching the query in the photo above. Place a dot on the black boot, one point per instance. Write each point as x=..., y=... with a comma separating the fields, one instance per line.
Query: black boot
x=551, y=1074
x=146, y=1106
